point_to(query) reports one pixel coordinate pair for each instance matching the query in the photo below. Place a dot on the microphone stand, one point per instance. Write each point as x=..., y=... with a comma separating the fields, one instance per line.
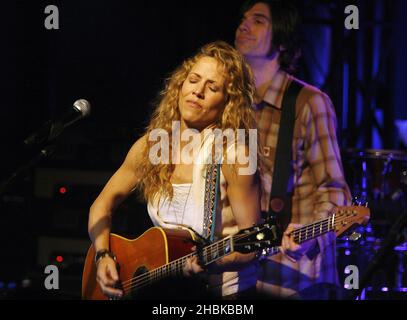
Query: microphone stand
x=45, y=139
x=45, y=152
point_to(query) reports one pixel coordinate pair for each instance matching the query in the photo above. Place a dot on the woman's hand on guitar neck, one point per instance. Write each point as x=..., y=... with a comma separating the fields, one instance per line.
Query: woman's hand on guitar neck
x=192, y=267
x=107, y=277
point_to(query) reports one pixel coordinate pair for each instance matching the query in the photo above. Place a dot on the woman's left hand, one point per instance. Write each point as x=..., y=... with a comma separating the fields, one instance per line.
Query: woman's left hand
x=290, y=248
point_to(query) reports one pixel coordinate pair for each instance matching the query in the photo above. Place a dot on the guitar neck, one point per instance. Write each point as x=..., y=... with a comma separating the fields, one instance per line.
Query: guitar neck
x=221, y=248
x=209, y=254
x=308, y=232
x=313, y=230
x=217, y=250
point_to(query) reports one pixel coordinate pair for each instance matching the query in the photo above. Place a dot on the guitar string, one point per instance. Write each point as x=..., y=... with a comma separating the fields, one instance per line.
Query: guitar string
x=338, y=218
x=139, y=284
x=294, y=233
x=336, y=215
x=311, y=227
x=157, y=276
x=189, y=255
x=162, y=270
x=134, y=283
x=147, y=281
x=144, y=282
x=144, y=279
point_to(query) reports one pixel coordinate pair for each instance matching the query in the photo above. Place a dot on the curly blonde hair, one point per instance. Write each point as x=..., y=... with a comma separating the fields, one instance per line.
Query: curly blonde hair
x=237, y=114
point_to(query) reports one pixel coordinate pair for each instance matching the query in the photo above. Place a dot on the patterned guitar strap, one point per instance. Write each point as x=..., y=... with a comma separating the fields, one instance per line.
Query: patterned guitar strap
x=212, y=193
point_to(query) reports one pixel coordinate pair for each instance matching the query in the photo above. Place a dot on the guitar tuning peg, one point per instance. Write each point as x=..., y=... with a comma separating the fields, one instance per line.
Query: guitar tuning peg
x=264, y=254
x=356, y=201
x=355, y=236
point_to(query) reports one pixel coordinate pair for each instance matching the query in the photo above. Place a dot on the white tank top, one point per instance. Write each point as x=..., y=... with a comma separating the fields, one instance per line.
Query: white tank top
x=177, y=211
x=187, y=210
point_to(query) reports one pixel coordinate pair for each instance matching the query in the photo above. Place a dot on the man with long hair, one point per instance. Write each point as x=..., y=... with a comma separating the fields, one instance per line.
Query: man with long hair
x=268, y=38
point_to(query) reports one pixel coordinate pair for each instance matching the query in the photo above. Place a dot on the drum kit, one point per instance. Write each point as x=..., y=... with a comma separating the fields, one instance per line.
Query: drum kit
x=378, y=179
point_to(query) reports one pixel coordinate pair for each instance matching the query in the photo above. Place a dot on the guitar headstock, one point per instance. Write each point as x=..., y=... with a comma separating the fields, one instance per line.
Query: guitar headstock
x=256, y=238
x=348, y=217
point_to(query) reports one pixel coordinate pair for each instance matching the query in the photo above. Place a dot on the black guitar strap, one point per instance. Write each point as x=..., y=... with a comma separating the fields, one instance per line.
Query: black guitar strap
x=280, y=199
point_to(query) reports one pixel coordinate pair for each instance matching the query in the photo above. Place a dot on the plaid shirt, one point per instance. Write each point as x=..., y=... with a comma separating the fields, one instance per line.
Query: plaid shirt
x=317, y=183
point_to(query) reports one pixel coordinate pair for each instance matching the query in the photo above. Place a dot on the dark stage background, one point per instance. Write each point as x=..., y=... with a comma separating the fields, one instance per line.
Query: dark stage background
x=116, y=54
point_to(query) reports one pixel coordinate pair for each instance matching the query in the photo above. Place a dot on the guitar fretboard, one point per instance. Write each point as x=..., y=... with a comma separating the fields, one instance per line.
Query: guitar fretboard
x=308, y=232
x=250, y=240
x=209, y=254
x=313, y=230
x=221, y=248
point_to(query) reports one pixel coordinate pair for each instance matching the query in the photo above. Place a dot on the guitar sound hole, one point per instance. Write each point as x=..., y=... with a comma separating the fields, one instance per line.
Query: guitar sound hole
x=156, y=286
x=141, y=270
x=139, y=284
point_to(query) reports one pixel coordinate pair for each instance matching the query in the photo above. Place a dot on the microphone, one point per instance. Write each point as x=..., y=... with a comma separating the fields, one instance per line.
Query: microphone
x=53, y=128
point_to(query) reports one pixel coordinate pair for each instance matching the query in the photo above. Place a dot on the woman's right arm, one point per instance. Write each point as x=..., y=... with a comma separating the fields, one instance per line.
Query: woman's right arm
x=115, y=191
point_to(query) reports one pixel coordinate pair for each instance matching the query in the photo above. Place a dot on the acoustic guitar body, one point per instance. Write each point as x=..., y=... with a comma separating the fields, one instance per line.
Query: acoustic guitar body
x=154, y=248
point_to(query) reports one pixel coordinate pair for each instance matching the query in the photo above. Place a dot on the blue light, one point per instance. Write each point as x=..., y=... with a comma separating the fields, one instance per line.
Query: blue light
x=385, y=289
x=12, y=285
x=347, y=253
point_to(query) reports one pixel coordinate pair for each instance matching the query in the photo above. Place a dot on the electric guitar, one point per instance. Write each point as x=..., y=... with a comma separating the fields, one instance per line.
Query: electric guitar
x=160, y=253
x=342, y=219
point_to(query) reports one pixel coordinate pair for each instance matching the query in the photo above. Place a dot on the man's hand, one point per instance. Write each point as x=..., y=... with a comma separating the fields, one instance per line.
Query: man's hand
x=290, y=248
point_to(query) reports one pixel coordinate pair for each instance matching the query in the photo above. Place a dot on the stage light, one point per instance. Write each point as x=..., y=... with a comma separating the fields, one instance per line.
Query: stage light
x=63, y=190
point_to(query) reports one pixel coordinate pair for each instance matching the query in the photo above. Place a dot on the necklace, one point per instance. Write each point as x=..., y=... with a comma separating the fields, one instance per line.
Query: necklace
x=185, y=205
x=175, y=215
